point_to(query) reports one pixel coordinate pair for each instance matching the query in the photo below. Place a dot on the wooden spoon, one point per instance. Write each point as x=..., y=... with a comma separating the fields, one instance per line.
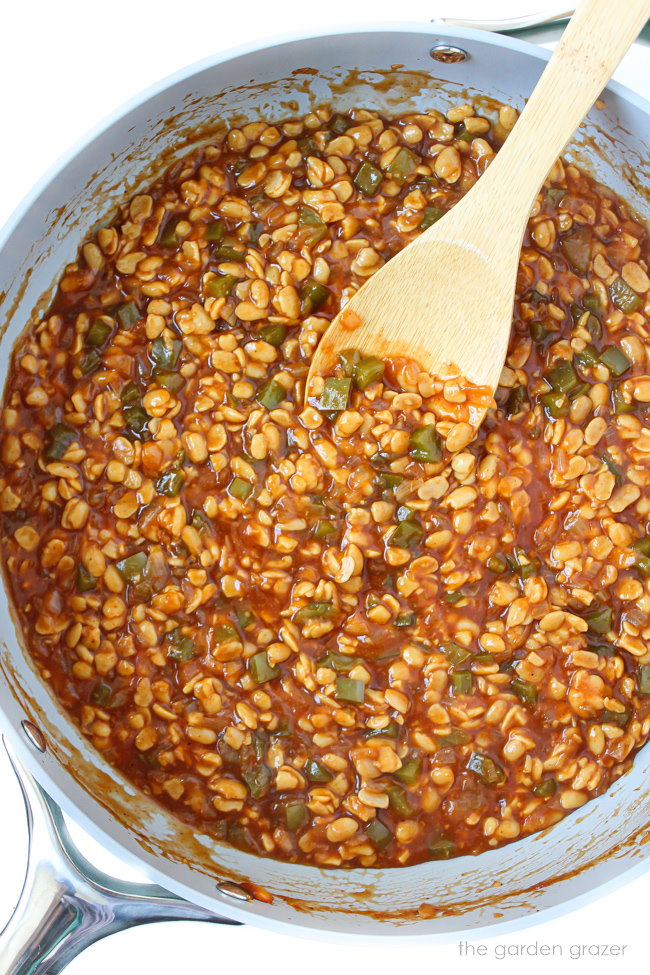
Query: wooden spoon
x=447, y=298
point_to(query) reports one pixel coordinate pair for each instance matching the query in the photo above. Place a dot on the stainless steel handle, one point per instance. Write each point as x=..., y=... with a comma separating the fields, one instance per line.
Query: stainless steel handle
x=67, y=904
x=512, y=23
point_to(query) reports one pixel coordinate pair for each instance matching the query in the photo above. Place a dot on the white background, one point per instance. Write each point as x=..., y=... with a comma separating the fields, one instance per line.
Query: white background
x=63, y=66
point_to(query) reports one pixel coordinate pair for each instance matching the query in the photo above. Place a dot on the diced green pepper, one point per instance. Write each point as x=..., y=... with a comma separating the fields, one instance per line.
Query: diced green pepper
x=619, y=718
x=98, y=334
x=335, y=395
x=405, y=619
x=624, y=297
x=255, y=230
x=215, y=231
x=486, y=769
x=239, y=488
x=538, y=331
x=128, y=314
x=221, y=286
x=431, y=215
x=181, y=648
x=314, y=611
x=173, y=382
x=604, y=649
x=454, y=597
x=615, y=360
x=388, y=482
x=323, y=529
x=643, y=565
x=167, y=236
x=576, y=247
x=517, y=401
x=378, y=834
x=425, y=444
x=391, y=730
x=312, y=228
x=407, y=534
x=525, y=566
x=594, y=327
x=409, y=771
x=274, y=334
x=338, y=124
x=562, y=377
x=525, y=691
x=497, y=564
x=592, y=303
x=133, y=567
x=258, y=780
x=342, y=663
x=224, y=633
x=599, y=619
x=130, y=395
x=368, y=178
x=621, y=402
x=642, y=545
x=455, y=653
x=588, y=357
x=137, y=420
x=557, y=405
x=260, y=668
x=643, y=679
x=312, y=295
x=368, y=370
x=244, y=616
x=398, y=801
x=200, y=520
x=454, y=739
x=545, y=789
x=349, y=359
x=555, y=195
x=101, y=694
x=165, y=353
x=316, y=772
x=402, y=165
x=441, y=849
x=170, y=483
x=271, y=394
x=461, y=683
x=61, y=438
x=308, y=147
x=85, y=582
x=296, y=815
x=351, y=690
x=90, y=362
x=226, y=252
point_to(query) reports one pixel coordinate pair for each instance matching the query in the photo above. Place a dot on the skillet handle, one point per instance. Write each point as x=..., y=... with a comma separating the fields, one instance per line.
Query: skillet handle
x=67, y=904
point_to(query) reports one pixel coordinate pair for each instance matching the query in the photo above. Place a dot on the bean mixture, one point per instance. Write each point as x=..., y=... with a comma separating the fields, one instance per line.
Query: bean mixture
x=355, y=632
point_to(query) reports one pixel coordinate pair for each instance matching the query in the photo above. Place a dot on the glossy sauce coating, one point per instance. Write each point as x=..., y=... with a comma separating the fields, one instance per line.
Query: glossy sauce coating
x=357, y=632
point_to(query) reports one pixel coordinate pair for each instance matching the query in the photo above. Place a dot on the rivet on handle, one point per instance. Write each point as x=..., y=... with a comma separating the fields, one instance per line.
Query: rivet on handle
x=233, y=890
x=34, y=735
x=448, y=54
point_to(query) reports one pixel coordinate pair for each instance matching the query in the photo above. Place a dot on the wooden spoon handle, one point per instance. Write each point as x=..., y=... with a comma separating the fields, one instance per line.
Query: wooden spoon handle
x=593, y=44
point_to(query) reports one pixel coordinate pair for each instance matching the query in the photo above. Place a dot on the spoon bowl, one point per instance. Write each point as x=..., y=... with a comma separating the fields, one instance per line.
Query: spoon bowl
x=446, y=299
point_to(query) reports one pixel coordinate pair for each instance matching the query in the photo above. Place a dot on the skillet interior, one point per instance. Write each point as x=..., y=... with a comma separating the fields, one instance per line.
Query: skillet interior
x=589, y=848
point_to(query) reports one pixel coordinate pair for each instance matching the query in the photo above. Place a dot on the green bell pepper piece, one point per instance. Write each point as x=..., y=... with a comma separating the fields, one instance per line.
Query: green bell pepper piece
x=271, y=394
x=426, y=444
x=98, y=334
x=260, y=669
x=335, y=395
x=368, y=178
